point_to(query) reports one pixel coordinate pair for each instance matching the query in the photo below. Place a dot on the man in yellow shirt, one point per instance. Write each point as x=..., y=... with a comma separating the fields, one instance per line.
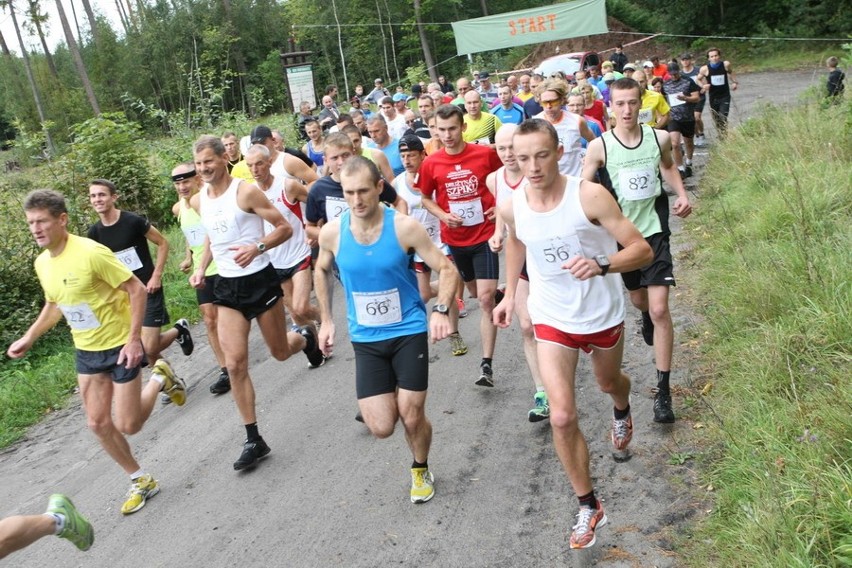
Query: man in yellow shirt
x=655, y=110
x=482, y=127
x=103, y=304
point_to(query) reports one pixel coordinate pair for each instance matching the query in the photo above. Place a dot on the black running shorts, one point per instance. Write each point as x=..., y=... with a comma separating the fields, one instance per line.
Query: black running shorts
x=661, y=270
x=106, y=361
x=250, y=295
x=477, y=262
x=156, y=314
x=205, y=295
x=382, y=366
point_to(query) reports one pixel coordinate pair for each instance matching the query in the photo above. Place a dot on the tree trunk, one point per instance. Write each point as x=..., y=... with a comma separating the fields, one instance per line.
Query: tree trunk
x=424, y=44
x=93, y=24
x=36, y=18
x=122, y=16
x=240, y=61
x=484, y=5
x=76, y=23
x=78, y=59
x=36, y=95
x=5, y=47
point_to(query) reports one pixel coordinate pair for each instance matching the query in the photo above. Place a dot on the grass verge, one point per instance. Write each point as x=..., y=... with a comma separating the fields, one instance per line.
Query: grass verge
x=774, y=275
x=42, y=381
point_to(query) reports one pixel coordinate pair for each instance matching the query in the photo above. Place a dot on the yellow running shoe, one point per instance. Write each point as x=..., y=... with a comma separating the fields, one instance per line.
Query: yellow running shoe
x=143, y=488
x=172, y=384
x=457, y=344
x=422, y=488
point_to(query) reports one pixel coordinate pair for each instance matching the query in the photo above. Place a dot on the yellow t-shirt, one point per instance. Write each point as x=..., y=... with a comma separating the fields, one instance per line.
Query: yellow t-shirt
x=525, y=96
x=241, y=170
x=482, y=130
x=651, y=102
x=84, y=282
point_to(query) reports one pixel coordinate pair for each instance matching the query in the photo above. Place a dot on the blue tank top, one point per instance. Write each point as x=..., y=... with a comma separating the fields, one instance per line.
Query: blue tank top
x=382, y=299
x=317, y=157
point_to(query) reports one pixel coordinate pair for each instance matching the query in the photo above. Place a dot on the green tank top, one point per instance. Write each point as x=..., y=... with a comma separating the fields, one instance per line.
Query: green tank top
x=635, y=177
x=193, y=231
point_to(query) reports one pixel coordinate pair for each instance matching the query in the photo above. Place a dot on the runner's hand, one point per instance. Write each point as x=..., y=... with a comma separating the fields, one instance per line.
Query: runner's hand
x=452, y=221
x=243, y=255
x=197, y=280
x=501, y=316
x=439, y=326
x=154, y=284
x=131, y=354
x=326, y=338
x=19, y=348
x=491, y=213
x=582, y=268
x=681, y=207
x=496, y=243
x=185, y=265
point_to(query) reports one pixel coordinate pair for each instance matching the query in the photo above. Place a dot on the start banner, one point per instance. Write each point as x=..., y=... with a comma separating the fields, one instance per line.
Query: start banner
x=558, y=21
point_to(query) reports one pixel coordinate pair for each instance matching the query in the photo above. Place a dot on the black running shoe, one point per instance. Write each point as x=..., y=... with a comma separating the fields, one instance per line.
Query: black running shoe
x=359, y=417
x=486, y=376
x=252, y=453
x=663, y=408
x=222, y=384
x=184, y=338
x=312, y=349
x=647, y=328
x=688, y=171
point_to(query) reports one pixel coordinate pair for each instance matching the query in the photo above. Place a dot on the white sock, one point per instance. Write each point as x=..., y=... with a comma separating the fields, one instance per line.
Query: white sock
x=59, y=519
x=137, y=474
x=539, y=389
x=687, y=162
x=158, y=377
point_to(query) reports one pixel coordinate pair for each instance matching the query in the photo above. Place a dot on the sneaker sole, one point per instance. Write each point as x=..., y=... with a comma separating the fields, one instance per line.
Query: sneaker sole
x=150, y=494
x=420, y=500
x=241, y=467
x=186, y=346
x=664, y=419
x=538, y=417
x=485, y=382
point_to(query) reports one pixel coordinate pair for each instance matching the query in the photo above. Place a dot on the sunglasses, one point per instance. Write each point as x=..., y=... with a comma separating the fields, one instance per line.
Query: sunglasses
x=551, y=104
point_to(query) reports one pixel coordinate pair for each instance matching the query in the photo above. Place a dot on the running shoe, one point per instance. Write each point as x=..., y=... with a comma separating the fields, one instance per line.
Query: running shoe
x=222, y=384
x=486, y=376
x=663, y=408
x=359, y=417
x=462, y=308
x=172, y=384
x=647, y=328
x=422, y=485
x=184, y=338
x=141, y=490
x=164, y=398
x=699, y=140
x=622, y=432
x=252, y=453
x=77, y=529
x=588, y=519
x=312, y=348
x=457, y=344
x=688, y=171
x=541, y=411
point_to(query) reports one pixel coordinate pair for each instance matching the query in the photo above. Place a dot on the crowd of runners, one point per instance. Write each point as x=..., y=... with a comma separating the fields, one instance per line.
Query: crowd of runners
x=562, y=175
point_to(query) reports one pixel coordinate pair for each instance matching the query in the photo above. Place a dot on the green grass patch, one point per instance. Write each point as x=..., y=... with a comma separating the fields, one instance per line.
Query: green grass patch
x=751, y=56
x=774, y=275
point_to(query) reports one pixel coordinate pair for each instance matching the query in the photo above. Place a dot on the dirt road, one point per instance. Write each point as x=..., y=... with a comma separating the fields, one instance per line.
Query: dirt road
x=331, y=495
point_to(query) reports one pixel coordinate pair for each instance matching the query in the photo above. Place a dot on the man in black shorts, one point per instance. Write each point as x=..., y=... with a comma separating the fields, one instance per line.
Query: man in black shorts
x=682, y=93
x=103, y=303
x=233, y=212
x=387, y=318
x=127, y=235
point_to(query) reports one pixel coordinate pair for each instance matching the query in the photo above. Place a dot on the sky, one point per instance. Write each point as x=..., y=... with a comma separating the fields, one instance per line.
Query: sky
x=54, y=27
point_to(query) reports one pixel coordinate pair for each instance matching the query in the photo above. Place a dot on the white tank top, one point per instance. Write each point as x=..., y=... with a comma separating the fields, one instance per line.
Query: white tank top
x=228, y=226
x=557, y=298
x=294, y=250
x=504, y=188
x=416, y=210
x=277, y=168
x=568, y=130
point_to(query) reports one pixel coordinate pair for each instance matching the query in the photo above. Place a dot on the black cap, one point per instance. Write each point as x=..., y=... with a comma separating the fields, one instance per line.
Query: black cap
x=674, y=67
x=484, y=75
x=416, y=89
x=259, y=134
x=410, y=143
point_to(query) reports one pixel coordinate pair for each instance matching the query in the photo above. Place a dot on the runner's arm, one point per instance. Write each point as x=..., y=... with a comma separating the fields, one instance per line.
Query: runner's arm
x=132, y=351
x=681, y=206
x=496, y=240
x=252, y=199
x=47, y=318
x=383, y=164
x=196, y=280
x=585, y=131
x=594, y=159
x=324, y=283
x=730, y=70
x=162, y=244
x=516, y=253
x=299, y=169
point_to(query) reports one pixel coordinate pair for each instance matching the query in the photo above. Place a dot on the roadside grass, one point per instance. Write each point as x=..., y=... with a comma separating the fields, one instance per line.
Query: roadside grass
x=752, y=56
x=774, y=276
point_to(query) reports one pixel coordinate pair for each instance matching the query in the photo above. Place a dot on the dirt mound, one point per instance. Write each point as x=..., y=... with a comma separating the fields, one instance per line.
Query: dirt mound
x=603, y=44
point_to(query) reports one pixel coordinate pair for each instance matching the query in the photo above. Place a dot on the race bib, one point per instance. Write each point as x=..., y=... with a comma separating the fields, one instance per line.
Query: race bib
x=194, y=235
x=717, y=80
x=335, y=207
x=645, y=116
x=223, y=227
x=80, y=317
x=635, y=185
x=433, y=227
x=484, y=140
x=129, y=258
x=551, y=254
x=469, y=211
x=674, y=101
x=374, y=309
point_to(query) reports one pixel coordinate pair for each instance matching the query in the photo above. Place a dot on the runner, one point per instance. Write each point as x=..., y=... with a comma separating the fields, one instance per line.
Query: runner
x=127, y=235
x=682, y=94
x=61, y=519
x=655, y=110
x=502, y=184
x=187, y=184
x=717, y=80
x=387, y=319
x=373, y=154
x=568, y=230
x=480, y=127
x=233, y=212
x=631, y=158
x=570, y=127
x=452, y=184
x=103, y=304
x=412, y=152
x=314, y=147
x=290, y=163
x=380, y=139
x=690, y=71
x=394, y=121
x=292, y=258
x=507, y=111
x=232, y=149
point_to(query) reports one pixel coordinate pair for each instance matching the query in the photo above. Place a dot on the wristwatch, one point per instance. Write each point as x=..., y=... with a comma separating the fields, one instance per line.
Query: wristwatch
x=603, y=263
x=261, y=246
x=441, y=309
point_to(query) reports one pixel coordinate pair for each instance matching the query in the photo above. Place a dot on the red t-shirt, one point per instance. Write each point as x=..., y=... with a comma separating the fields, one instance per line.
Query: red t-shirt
x=457, y=184
x=596, y=112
